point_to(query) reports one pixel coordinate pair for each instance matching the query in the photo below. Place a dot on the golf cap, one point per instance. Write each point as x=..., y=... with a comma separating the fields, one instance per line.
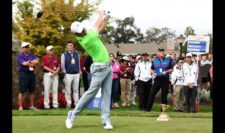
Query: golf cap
x=144, y=54
x=161, y=49
x=49, y=47
x=168, y=55
x=77, y=27
x=125, y=58
x=24, y=44
x=138, y=57
x=188, y=55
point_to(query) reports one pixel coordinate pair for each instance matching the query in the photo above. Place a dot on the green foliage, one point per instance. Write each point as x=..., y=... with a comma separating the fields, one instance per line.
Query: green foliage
x=189, y=31
x=125, y=31
x=53, y=27
x=158, y=35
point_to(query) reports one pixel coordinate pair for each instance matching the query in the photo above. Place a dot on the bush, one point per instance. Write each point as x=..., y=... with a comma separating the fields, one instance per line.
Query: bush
x=61, y=99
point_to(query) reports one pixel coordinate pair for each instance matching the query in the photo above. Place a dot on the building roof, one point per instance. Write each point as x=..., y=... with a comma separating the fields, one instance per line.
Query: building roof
x=137, y=48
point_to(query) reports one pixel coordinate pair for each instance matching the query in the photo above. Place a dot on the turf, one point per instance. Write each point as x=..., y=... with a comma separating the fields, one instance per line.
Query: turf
x=122, y=124
x=124, y=120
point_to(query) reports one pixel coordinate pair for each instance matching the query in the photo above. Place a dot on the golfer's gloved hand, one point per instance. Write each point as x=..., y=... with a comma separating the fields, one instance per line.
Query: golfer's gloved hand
x=107, y=13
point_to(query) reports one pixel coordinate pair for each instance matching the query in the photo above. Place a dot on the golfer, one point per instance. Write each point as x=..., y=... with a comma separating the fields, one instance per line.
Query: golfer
x=101, y=69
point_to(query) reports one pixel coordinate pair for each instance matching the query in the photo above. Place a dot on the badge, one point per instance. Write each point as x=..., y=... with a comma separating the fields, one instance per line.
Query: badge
x=125, y=75
x=72, y=61
x=54, y=68
x=31, y=68
x=160, y=70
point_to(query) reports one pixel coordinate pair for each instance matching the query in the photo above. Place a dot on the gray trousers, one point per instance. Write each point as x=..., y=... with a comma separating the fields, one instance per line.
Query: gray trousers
x=101, y=78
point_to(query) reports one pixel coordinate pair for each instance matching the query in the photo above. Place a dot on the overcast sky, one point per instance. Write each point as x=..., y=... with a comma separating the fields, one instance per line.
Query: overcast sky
x=174, y=14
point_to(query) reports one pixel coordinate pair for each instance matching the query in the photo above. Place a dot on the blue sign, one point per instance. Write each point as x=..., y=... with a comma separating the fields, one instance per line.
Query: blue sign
x=197, y=47
x=96, y=103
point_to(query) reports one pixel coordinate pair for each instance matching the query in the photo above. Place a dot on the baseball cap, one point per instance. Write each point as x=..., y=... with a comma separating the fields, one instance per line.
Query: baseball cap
x=188, y=55
x=145, y=54
x=168, y=55
x=77, y=27
x=49, y=47
x=161, y=49
x=24, y=44
x=138, y=57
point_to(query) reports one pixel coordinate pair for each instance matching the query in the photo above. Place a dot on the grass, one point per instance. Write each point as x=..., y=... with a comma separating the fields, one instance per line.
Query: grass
x=124, y=120
x=122, y=124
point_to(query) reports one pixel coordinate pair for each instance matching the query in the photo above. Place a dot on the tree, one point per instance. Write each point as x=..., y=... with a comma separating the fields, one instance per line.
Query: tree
x=157, y=35
x=188, y=31
x=53, y=27
x=123, y=31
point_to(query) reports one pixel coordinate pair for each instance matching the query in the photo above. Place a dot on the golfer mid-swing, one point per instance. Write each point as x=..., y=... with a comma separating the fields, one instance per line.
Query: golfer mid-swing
x=101, y=70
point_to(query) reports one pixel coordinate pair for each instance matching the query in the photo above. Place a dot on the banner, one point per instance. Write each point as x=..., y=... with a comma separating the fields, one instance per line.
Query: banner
x=198, y=44
x=96, y=103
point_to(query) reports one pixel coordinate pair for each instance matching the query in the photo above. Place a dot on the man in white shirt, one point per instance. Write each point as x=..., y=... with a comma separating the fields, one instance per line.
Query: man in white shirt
x=177, y=80
x=143, y=75
x=190, y=71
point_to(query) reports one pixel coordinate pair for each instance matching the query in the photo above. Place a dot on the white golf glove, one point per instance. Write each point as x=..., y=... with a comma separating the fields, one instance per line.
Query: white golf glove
x=107, y=13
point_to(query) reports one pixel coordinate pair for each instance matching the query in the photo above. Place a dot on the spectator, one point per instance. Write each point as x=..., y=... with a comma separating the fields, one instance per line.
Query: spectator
x=173, y=58
x=161, y=68
x=125, y=73
x=115, y=84
x=177, y=80
x=143, y=76
x=70, y=64
x=51, y=68
x=211, y=81
x=210, y=58
x=131, y=64
x=119, y=57
x=203, y=78
x=190, y=71
x=83, y=70
x=27, y=62
x=87, y=65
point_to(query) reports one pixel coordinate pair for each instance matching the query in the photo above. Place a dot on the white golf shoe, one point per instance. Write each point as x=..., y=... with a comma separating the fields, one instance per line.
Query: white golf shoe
x=107, y=126
x=70, y=120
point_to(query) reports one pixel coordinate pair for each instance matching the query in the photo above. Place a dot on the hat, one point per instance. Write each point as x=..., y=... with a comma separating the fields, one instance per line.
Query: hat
x=168, y=55
x=125, y=58
x=24, y=44
x=49, y=47
x=188, y=55
x=77, y=27
x=138, y=57
x=161, y=49
x=144, y=54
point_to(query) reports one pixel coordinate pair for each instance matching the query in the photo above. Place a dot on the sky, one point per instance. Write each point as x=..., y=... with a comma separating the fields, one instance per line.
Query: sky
x=174, y=14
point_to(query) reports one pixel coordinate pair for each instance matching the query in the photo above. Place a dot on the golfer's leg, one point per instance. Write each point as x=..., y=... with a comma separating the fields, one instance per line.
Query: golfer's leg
x=88, y=96
x=106, y=95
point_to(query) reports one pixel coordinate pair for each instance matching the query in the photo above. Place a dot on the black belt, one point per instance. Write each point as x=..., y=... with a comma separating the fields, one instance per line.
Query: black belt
x=26, y=71
x=72, y=73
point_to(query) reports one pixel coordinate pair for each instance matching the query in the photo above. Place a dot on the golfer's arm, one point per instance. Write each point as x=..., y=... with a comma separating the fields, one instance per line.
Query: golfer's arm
x=103, y=24
x=99, y=21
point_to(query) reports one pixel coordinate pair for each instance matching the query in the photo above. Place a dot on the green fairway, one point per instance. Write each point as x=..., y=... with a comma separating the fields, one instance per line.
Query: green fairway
x=124, y=120
x=122, y=124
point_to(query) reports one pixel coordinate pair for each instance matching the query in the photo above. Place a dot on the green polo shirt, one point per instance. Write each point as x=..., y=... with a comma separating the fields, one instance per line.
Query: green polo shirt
x=93, y=45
